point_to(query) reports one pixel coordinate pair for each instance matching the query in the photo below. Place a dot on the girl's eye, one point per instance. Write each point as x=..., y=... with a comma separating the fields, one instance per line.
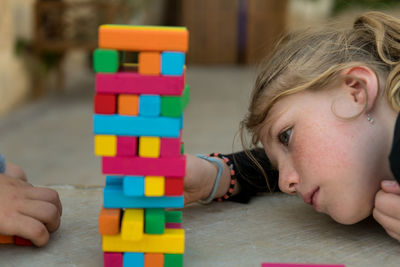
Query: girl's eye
x=284, y=137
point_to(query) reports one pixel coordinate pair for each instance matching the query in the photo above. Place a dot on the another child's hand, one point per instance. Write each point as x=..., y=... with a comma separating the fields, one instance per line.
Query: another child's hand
x=27, y=211
x=387, y=208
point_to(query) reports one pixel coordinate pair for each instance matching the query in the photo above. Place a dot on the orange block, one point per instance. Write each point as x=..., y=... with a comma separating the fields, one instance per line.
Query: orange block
x=153, y=260
x=109, y=221
x=128, y=104
x=6, y=239
x=149, y=63
x=143, y=38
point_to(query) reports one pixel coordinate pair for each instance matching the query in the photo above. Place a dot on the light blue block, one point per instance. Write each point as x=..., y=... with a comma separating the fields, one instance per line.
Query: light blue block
x=114, y=180
x=133, y=186
x=136, y=125
x=172, y=63
x=113, y=197
x=133, y=259
x=149, y=105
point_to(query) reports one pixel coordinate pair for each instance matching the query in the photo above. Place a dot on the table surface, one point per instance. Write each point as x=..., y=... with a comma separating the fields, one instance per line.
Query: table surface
x=272, y=228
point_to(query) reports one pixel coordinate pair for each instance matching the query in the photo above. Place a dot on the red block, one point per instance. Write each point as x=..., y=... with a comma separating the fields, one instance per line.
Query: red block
x=22, y=241
x=105, y=104
x=174, y=186
x=170, y=147
x=112, y=259
x=126, y=146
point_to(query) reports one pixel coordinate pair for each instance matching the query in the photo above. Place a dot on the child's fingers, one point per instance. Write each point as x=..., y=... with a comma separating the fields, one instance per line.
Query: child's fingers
x=388, y=204
x=391, y=225
x=15, y=171
x=29, y=228
x=45, y=194
x=390, y=186
x=43, y=211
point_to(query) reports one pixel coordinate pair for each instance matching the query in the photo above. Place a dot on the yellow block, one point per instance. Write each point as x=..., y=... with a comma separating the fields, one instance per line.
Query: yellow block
x=132, y=226
x=105, y=145
x=149, y=147
x=154, y=186
x=172, y=241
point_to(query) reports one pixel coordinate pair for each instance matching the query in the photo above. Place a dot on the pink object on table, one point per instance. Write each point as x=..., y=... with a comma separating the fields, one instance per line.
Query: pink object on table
x=173, y=225
x=144, y=166
x=266, y=264
x=170, y=147
x=112, y=259
x=134, y=83
x=126, y=146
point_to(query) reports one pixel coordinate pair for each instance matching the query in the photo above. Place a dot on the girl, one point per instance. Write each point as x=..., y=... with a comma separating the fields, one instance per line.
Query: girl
x=324, y=108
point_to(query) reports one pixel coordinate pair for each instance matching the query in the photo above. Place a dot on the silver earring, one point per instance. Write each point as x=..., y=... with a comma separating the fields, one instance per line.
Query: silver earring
x=370, y=119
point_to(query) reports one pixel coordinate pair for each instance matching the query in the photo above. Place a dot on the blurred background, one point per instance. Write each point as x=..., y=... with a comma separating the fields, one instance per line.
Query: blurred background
x=47, y=84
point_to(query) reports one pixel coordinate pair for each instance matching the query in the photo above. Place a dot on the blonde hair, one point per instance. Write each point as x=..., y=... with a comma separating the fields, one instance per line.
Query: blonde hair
x=313, y=60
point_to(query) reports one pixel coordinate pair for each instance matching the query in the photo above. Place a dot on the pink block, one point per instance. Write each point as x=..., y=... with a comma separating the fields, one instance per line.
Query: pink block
x=112, y=259
x=173, y=225
x=170, y=147
x=126, y=146
x=266, y=264
x=134, y=83
x=144, y=166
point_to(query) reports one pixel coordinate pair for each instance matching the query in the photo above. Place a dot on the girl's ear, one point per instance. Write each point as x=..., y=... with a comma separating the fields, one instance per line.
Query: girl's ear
x=362, y=85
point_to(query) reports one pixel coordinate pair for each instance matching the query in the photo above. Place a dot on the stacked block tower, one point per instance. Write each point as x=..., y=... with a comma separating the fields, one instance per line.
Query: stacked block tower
x=138, y=124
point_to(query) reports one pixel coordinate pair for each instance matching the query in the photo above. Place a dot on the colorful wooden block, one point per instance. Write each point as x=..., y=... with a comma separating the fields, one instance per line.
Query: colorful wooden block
x=133, y=186
x=143, y=38
x=154, y=221
x=149, y=63
x=7, y=239
x=174, y=167
x=109, y=221
x=126, y=146
x=105, y=104
x=134, y=83
x=149, y=146
x=112, y=259
x=173, y=260
x=174, y=186
x=113, y=197
x=173, y=216
x=153, y=260
x=149, y=105
x=105, y=60
x=128, y=104
x=172, y=241
x=154, y=186
x=23, y=242
x=172, y=63
x=105, y=145
x=170, y=147
x=133, y=259
x=299, y=265
x=132, y=226
x=136, y=126
x=173, y=106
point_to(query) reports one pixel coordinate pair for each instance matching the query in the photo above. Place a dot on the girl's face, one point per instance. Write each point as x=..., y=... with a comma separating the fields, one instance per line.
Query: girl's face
x=335, y=165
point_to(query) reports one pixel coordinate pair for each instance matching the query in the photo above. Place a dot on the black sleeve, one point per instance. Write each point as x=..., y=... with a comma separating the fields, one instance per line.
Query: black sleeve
x=394, y=157
x=251, y=179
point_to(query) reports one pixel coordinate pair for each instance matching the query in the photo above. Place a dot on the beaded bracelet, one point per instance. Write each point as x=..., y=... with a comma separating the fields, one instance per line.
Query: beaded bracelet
x=232, y=174
x=2, y=164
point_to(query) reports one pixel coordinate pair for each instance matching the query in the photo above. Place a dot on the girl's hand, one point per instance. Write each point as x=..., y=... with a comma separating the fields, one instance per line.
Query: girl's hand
x=387, y=208
x=27, y=211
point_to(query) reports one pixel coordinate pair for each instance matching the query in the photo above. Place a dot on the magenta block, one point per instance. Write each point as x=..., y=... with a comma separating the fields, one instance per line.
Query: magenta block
x=144, y=166
x=126, y=146
x=170, y=147
x=173, y=225
x=134, y=83
x=266, y=264
x=112, y=259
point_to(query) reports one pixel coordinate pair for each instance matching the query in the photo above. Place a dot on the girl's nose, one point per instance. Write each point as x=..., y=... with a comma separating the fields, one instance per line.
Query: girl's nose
x=288, y=180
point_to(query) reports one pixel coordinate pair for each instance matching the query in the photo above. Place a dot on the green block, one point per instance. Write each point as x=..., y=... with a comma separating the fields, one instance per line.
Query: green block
x=173, y=106
x=182, y=148
x=173, y=260
x=106, y=60
x=154, y=221
x=173, y=216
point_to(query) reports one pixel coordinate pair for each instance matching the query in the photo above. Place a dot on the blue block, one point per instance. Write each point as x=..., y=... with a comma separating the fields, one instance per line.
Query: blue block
x=133, y=259
x=136, y=125
x=133, y=186
x=149, y=105
x=172, y=63
x=113, y=197
x=114, y=180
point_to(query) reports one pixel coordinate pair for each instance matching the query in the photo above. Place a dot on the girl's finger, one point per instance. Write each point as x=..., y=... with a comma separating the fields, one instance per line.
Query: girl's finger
x=45, y=194
x=390, y=186
x=31, y=229
x=390, y=224
x=43, y=211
